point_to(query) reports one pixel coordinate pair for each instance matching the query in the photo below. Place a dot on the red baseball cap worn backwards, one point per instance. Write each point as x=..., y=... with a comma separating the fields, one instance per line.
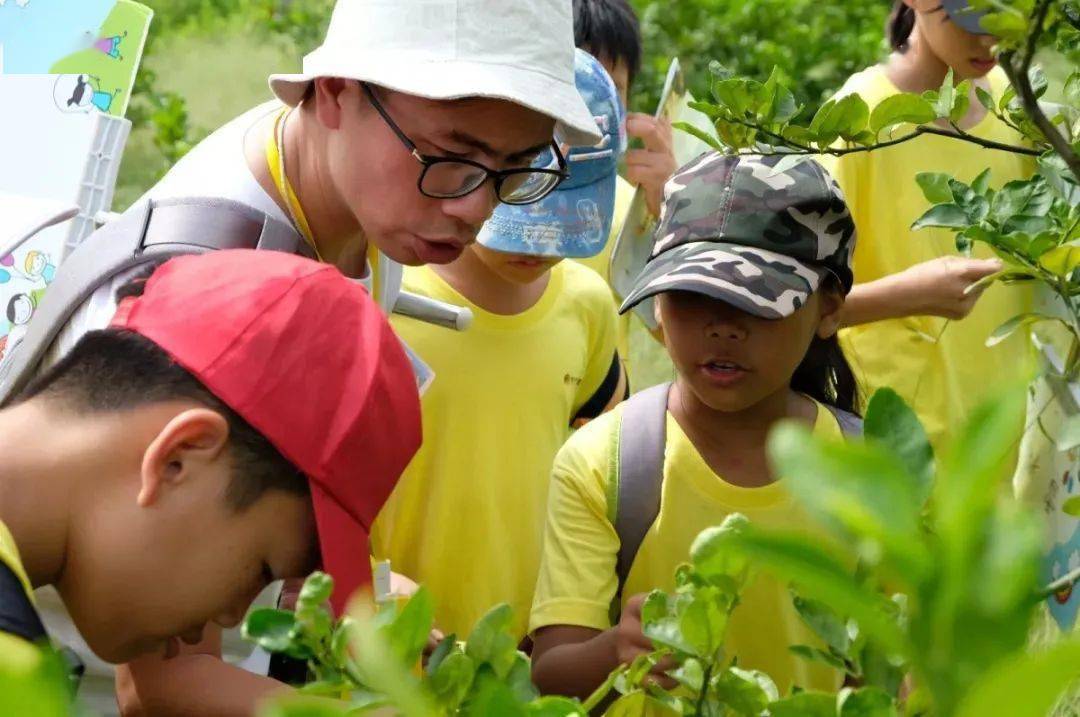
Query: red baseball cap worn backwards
x=306, y=357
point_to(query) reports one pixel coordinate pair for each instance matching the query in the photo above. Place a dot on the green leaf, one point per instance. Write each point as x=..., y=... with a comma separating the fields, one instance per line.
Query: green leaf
x=981, y=183
x=891, y=421
x=846, y=118
x=304, y=706
x=985, y=98
x=1014, y=324
x=742, y=691
x=315, y=592
x=820, y=575
x=867, y=702
x=556, y=707
x=690, y=674
x=946, y=96
x=859, y=486
x=778, y=103
x=441, y=652
x=813, y=654
x=271, y=630
x=490, y=641
x=824, y=622
x=935, y=187
x=452, y=680
x=1061, y=260
x=961, y=101
x=899, y=109
x=1038, y=81
x=699, y=134
x=1071, y=506
x=879, y=669
x=804, y=704
x=520, y=679
x=739, y=96
x=491, y=697
x=1026, y=685
x=1031, y=197
x=703, y=622
x=1005, y=25
x=712, y=555
x=408, y=634
x=945, y=216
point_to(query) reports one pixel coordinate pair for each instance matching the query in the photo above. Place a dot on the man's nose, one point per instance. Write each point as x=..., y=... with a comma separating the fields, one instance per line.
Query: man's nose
x=473, y=209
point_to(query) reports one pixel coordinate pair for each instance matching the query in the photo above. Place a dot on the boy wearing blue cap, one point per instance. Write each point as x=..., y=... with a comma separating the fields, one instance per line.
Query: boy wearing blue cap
x=538, y=359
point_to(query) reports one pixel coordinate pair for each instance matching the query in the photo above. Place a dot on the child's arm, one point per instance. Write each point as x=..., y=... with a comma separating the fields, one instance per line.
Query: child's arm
x=195, y=682
x=932, y=288
x=574, y=661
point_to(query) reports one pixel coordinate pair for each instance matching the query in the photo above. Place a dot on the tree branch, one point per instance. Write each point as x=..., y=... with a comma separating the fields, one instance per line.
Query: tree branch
x=1018, y=77
x=923, y=129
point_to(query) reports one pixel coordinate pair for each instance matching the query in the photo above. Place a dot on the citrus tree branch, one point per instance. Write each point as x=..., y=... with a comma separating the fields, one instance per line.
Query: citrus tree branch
x=1016, y=69
x=1067, y=580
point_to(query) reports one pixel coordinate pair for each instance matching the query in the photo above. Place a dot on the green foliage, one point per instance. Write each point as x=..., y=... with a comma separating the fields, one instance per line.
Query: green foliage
x=33, y=680
x=818, y=44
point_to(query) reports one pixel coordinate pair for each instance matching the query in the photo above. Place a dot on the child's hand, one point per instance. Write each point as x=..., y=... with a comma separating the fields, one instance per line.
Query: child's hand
x=630, y=642
x=652, y=166
x=939, y=287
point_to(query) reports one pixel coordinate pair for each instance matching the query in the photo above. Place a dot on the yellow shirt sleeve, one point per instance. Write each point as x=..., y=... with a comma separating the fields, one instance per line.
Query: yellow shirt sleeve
x=577, y=579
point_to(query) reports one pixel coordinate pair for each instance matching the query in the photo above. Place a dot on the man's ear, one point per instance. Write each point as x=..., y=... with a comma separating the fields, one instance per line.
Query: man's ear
x=831, y=303
x=331, y=93
x=193, y=438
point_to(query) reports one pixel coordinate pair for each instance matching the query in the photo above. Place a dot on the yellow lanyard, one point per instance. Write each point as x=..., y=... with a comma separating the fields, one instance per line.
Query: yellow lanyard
x=275, y=162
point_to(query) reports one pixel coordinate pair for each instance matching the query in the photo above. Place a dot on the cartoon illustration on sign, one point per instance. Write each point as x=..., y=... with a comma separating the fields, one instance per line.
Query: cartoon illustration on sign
x=82, y=93
x=111, y=45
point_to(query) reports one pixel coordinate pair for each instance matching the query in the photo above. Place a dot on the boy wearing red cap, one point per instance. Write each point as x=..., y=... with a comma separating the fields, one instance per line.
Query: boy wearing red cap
x=173, y=464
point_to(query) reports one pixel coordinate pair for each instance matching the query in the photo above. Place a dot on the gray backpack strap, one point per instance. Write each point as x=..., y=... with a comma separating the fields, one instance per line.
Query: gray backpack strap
x=147, y=231
x=850, y=424
x=642, y=435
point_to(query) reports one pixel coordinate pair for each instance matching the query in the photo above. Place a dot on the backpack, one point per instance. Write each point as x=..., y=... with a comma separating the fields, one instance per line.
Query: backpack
x=639, y=475
x=154, y=230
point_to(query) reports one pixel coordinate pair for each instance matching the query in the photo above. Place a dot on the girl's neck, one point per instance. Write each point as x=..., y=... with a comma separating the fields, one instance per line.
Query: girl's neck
x=336, y=231
x=732, y=443
x=478, y=283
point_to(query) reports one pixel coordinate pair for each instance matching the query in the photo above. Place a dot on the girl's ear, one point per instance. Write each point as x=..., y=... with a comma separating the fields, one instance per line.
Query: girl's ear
x=830, y=305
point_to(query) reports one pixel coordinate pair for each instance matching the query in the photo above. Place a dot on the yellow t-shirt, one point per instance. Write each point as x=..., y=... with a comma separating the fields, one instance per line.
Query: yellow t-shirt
x=467, y=515
x=942, y=372
x=9, y=555
x=577, y=579
x=601, y=263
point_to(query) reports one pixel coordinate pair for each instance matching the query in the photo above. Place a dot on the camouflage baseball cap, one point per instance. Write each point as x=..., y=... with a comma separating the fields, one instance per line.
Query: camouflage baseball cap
x=737, y=229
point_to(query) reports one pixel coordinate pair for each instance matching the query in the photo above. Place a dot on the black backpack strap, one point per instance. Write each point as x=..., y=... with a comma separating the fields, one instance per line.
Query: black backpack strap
x=850, y=424
x=17, y=613
x=640, y=474
x=147, y=231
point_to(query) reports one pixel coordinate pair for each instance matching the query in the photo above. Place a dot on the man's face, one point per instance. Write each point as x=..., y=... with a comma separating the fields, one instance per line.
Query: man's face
x=139, y=576
x=376, y=175
x=620, y=73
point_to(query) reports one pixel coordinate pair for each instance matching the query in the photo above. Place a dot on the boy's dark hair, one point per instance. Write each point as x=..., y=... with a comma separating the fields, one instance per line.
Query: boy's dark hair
x=824, y=373
x=609, y=30
x=899, y=25
x=117, y=370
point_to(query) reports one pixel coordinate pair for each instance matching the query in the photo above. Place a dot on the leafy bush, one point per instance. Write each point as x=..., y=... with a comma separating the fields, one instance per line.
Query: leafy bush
x=815, y=44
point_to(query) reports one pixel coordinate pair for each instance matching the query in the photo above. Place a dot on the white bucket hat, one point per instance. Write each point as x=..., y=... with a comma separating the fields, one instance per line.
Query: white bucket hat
x=446, y=49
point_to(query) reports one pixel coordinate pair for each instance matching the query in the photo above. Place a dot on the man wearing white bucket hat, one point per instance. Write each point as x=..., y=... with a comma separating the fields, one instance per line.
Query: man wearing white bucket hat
x=380, y=153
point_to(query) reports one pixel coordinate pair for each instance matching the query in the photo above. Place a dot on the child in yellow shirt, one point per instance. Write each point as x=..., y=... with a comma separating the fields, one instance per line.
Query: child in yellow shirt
x=467, y=518
x=750, y=268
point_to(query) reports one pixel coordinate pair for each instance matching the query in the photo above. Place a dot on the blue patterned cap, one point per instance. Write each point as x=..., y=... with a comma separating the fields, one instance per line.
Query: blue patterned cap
x=574, y=220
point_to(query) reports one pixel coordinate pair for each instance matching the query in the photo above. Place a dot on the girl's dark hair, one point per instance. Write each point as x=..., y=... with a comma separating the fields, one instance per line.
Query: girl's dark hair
x=116, y=370
x=899, y=25
x=609, y=30
x=825, y=374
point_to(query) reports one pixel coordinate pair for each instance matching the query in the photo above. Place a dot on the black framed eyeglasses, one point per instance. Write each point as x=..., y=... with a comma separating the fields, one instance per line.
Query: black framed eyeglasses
x=449, y=178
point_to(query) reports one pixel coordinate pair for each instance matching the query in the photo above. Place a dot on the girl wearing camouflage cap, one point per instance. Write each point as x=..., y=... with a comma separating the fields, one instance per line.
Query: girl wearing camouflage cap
x=750, y=268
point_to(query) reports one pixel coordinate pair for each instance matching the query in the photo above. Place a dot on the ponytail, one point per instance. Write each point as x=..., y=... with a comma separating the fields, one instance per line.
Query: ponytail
x=825, y=374
x=899, y=25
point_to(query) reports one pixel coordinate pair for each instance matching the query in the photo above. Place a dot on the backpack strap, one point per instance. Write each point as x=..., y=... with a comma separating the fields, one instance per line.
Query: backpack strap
x=639, y=474
x=17, y=614
x=147, y=231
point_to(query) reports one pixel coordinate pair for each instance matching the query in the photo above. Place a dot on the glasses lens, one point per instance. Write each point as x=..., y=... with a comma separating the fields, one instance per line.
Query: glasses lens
x=451, y=179
x=526, y=187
